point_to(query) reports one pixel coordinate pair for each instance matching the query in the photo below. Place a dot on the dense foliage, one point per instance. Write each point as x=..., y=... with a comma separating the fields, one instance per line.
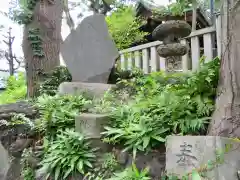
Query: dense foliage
x=123, y=27
x=69, y=154
x=131, y=173
x=145, y=109
x=53, y=79
x=16, y=89
x=183, y=106
x=58, y=113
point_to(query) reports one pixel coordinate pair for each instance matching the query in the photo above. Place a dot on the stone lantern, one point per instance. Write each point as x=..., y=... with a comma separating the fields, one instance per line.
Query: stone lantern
x=170, y=33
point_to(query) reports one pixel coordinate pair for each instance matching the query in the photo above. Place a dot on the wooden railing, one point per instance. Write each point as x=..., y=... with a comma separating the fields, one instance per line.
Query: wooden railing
x=146, y=58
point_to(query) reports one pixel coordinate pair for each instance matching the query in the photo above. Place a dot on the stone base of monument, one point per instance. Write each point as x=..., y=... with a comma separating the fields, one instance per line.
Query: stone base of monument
x=92, y=89
x=186, y=153
x=92, y=125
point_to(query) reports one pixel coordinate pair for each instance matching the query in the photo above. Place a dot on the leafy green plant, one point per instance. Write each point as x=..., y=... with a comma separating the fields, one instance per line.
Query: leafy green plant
x=165, y=105
x=123, y=27
x=107, y=166
x=35, y=39
x=58, y=112
x=131, y=173
x=24, y=16
x=53, y=79
x=69, y=154
x=27, y=172
x=15, y=89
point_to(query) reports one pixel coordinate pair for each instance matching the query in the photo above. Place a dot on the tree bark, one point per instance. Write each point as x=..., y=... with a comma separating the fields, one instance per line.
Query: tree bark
x=226, y=118
x=48, y=18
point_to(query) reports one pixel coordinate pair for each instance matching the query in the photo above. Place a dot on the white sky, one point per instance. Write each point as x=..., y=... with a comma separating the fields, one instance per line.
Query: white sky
x=17, y=30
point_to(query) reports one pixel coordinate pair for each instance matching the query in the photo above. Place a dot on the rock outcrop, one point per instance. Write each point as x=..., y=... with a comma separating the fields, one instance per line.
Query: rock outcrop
x=14, y=137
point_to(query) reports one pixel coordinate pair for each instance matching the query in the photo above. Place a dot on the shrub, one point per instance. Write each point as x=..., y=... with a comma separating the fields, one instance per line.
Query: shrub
x=123, y=27
x=16, y=89
x=131, y=173
x=160, y=108
x=58, y=112
x=67, y=155
x=53, y=79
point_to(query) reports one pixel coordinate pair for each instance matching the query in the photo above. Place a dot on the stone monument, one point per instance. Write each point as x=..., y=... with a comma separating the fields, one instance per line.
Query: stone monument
x=186, y=153
x=89, y=54
x=169, y=33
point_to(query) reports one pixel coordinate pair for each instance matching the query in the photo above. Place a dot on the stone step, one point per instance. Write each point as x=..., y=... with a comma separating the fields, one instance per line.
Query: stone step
x=92, y=89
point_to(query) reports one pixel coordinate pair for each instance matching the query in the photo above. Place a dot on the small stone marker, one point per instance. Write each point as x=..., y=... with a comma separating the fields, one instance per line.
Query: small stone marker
x=89, y=52
x=91, y=125
x=185, y=153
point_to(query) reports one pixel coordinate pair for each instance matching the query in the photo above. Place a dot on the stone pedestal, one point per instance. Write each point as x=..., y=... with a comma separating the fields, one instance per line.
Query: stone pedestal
x=92, y=125
x=185, y=153
x=93, y=89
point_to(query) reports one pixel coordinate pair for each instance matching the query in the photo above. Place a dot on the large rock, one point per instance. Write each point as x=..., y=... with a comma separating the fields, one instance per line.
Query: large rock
x=154, y=160
x=14, y=138
x=89, y=52
x=185, y=153
x=23, y=107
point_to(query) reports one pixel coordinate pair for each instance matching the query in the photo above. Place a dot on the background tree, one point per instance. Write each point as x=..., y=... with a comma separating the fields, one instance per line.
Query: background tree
x=41, y=39
x=13, y=61
x=124, y=26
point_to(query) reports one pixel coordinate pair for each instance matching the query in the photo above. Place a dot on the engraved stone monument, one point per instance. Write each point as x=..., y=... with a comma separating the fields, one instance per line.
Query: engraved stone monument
x=89, y=51
x=186, y=153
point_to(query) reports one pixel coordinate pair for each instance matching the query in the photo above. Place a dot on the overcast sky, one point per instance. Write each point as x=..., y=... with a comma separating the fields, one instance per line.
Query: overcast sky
x=17, y=30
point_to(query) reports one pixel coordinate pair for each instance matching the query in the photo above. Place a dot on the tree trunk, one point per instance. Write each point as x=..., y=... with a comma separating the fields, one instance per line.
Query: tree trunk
x=48, y=18
x=226, y=118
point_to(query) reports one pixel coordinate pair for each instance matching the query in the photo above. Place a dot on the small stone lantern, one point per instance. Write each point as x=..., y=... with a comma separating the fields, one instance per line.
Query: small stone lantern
x=169, y=33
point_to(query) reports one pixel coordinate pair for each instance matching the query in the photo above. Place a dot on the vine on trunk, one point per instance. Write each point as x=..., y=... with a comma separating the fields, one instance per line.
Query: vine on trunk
x=25, y=16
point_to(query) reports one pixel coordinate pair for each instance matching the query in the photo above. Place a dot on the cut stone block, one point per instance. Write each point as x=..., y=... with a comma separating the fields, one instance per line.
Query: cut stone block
x=5, y=162
x=89, y=52
x=91, y=125
x=185, y=153
x=93, y=89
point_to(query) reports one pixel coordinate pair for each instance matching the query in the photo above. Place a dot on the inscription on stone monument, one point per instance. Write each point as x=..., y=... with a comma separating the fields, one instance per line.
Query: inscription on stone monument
x=185, y=157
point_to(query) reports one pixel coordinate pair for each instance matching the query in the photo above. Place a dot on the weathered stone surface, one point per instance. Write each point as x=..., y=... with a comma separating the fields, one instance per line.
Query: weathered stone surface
x=89, y=52
x=176, y=49
x=14, y=138
x=179, y=29
x=155, y=161
x=23, y=107
x=4, y=162
x=93, y=89
x=91, y=124
x=173, y=63
x=185, y=153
